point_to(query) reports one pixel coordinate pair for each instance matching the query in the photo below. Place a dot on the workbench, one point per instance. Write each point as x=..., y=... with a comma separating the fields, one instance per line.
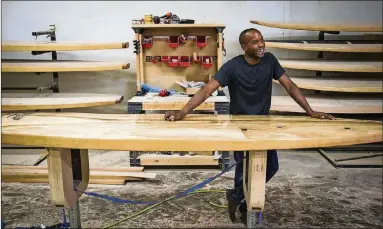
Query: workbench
x=68, y=136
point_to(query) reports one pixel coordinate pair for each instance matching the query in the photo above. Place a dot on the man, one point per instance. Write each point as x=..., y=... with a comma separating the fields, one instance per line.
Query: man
x=249, y=79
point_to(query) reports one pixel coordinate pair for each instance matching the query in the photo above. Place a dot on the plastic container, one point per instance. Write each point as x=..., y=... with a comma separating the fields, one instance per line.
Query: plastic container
x=147, y=42
x=201, y=41
x=164, y=59
x=184, y=61
x=173, y=61
x=173, y=41
x=206, y=62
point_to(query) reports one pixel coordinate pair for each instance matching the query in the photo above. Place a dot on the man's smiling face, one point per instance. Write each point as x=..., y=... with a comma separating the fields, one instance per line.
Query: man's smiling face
x=255, y=45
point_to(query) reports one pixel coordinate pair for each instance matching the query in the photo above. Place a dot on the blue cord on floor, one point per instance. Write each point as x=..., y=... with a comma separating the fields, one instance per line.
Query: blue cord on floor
x=118, y=200
x=64, y=217
x=188, y=191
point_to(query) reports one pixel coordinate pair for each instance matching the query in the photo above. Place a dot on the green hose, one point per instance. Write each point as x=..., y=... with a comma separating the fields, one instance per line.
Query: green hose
x=166, y=200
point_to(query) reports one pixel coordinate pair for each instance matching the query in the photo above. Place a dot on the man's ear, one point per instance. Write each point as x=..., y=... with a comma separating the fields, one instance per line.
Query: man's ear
x=243, y=46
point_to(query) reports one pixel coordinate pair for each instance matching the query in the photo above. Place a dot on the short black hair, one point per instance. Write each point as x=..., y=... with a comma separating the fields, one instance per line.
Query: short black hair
x=242, y=35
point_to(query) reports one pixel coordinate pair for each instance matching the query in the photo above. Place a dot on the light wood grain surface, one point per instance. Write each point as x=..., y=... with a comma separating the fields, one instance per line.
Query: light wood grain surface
x=337, y=66
x=43, y=101
x=195, y=133
x=60, y=66
x=345, y=27
x=375, y=48
x=175, y=102
x=18, y=46
x=330, y=104
x=178, y=26
x=339, y=84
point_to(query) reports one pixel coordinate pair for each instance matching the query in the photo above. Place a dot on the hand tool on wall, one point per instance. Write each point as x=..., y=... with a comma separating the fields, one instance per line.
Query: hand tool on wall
x=167, y=15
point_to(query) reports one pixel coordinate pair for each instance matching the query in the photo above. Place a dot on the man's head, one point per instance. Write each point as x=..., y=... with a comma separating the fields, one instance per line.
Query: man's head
x=251, y=41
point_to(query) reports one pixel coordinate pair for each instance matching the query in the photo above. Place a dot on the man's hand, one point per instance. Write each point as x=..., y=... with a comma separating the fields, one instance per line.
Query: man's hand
x=174, y=115
x=321, y=115
x=198, y=98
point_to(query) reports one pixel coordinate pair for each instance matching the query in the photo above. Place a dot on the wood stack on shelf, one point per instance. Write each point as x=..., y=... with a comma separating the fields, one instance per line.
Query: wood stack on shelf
x=342, y=94
x=363, y=92
x=168, y=55
x=40, y=99
x=49, y=97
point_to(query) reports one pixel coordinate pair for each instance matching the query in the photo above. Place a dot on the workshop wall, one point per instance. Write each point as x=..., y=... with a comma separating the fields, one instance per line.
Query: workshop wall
x=100, y=21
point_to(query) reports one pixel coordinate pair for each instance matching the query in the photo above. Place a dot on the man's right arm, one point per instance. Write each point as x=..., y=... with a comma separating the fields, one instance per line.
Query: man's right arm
x=198, y=98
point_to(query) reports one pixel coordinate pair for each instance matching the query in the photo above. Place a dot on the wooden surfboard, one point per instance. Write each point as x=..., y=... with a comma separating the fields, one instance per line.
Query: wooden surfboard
x=339, y=84
x=18, y=46
x=336, y=66
x=149, y=132
x=44, y=101
x=60, y=66
x=330, y=104
x=346, y=27
x=364, y=48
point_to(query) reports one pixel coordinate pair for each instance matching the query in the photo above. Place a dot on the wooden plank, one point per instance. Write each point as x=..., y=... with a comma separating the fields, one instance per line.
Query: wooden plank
x=91, y=170
x=43, y=101
x=93, y=174
x=339, y=84
x=194, y=133
x=345, y=27
x=60, y=66
x=338, y=66
x=178, y=26
x=18, y=46
x=363, y=48
x=219, y=53
x=174, y=102
x=25, y=179
x=61, y=177
x=177, y=160
x=191, y=91
x=141, y=58
x=330, y=104
x=138, y=65
x=39, y=174
x=21, y=157
x=255, y=184
x=167, y=99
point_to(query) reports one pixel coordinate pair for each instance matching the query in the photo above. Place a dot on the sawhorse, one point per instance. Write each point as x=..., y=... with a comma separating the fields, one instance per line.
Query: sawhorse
x=68, y=171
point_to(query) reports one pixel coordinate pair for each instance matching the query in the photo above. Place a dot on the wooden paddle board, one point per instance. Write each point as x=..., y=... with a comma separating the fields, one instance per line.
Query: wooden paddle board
x=363, y=48
x=197, y=132
x=346, y=27
x=330, y=104
x=336, y=66
x=339, y=84
x=43, y=101
x=60, y=66
x=19, y=46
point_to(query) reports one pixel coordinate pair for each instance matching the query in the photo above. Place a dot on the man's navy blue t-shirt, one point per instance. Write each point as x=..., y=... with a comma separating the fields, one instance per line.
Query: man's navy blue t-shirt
x=250, y=86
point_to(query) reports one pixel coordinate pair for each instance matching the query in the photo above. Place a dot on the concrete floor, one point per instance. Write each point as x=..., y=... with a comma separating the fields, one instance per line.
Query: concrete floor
x=307, y=192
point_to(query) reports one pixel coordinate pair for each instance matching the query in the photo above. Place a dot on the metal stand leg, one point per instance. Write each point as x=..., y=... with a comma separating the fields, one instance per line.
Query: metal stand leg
x=74, y=216
x=254, y=182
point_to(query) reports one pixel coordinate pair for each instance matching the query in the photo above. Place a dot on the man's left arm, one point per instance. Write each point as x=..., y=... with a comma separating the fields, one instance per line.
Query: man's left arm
x=296, y=94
